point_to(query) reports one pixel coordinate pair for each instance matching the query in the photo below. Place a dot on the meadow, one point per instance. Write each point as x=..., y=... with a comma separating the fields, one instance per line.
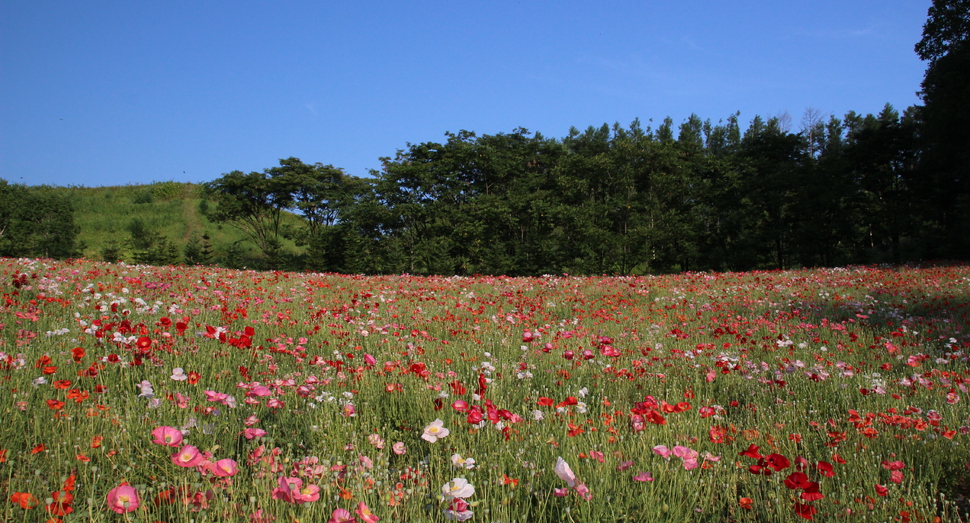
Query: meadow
x=177, y=394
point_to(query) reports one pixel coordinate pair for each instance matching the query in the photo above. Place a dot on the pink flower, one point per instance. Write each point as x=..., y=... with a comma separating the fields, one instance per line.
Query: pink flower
x=662, y=450
x=369, y=360
x=168, y=436
x=286, y=488
x=624, y=465
x=211, y=395
x=597, y=455
x=123, y=499
x=253, y=433
x=564, y=472
x=259, y=517
x=341, y=515
x=560, y=492
x=307, y=494
x=376, y=441
x=188, y=456
x=458, y=510
x=365, y=514
x=684, y=452
x=643, y=476
x=224, y=468
x=584, y=492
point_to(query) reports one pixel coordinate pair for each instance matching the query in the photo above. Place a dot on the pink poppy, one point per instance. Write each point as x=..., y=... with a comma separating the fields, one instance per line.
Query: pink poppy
x=188, y=456
x=123, y=499
x=643, y=476
x=224, y=468
x=564, y=472
x=341, y=515
x=168, y=436
x=365, y=514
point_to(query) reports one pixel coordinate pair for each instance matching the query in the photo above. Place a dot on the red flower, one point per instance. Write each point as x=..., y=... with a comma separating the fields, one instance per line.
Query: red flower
x=751, y=452
x=805, y=511
x=777, y=462
x=825, y=469
x=26, y=500
x=881, y=490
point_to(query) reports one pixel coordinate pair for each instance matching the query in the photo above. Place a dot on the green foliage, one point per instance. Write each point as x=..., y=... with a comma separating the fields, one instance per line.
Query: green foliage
x=36, y=222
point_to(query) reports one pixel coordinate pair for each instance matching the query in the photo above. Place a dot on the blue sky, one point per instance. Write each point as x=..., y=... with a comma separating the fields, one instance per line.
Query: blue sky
x=101, y=93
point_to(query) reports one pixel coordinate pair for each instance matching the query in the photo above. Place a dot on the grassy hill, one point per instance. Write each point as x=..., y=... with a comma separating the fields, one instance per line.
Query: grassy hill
x=172, y=210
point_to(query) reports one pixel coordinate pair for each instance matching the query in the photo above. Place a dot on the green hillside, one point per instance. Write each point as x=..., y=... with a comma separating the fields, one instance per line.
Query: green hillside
x=172, y=211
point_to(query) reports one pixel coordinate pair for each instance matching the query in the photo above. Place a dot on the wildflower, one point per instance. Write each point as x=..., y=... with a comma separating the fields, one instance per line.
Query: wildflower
x=188, y=457
x=26, y=500
x=286, y=488
x=584, y=492
x=145, y=388
x=399, y=448
x=643, y=476
x=341, y=515
x=458, y=510
x=564, y=472
x=253, y=433
x=366, y=516
x=225, y=468
x=123, y=499
x=178, y=374
x=434, y=431
x=376, y=441
x=458, y=488
x=168, y=436
x=462, y=463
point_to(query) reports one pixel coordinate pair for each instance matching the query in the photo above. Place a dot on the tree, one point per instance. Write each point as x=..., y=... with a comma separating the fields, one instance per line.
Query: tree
x=945, y=118
x=36, y=221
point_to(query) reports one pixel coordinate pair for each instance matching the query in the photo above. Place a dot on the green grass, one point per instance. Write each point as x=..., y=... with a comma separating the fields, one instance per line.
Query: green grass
x=170, y=209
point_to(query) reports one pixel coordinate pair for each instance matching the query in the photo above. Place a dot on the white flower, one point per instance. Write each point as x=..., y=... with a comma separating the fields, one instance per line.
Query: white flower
x=178, y=374
x=458, y=488
x=434, y=431
x=462, y=463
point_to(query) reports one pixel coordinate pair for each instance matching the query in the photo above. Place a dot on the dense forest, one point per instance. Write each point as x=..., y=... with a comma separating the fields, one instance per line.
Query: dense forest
x=623, y=199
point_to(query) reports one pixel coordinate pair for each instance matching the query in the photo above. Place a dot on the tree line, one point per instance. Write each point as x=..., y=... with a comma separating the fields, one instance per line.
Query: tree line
x=612, y=200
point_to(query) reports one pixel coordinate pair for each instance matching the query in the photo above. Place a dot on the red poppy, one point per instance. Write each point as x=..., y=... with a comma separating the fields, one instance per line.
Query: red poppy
x=805, y=511
x=26, y=500
x=751, y=452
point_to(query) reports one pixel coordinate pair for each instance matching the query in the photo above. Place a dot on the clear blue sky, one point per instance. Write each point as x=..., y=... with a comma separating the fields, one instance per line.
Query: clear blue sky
x=100, y=93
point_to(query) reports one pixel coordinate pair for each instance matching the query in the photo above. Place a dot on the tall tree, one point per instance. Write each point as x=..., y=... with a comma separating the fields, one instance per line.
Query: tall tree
x=945, y=119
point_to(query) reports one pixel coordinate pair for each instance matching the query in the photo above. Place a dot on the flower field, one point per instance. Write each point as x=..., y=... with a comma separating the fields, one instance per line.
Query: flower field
x=173, y=394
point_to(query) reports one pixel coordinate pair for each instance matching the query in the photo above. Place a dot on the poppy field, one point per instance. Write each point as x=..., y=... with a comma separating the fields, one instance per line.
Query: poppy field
x=193, y=394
